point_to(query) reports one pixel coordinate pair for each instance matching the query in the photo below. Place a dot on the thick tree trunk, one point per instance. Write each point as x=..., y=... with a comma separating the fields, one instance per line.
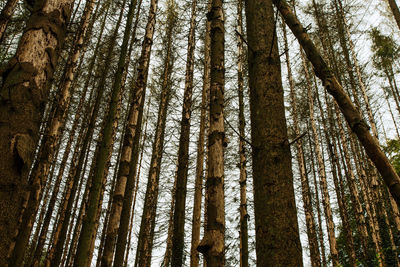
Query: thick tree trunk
x=183, y=150
x=352, y=115
x=277, y=234
x=5, y=16
x=23, y=93
x=212, y=246
x=41, y=169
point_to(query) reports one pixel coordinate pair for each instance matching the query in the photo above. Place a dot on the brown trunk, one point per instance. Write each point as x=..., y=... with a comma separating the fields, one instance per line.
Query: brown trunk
x=321, y=169
x=5, y=16
x=352, y=115
x=337, y=178
x=132, y=136
x=395, y=9
x=196, y=220
x=144, y=138
x=212, y=246
x=277, y=234
x=41, y=168
x=305, y=187
x=320, y=231
x=183, y=150
x=168, y=250
x=243, y=233
x=146, y=234
x=24, y=93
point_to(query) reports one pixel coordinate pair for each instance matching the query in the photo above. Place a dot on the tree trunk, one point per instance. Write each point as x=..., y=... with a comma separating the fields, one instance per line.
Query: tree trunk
x=244, y=217
x=24, y=92
x=61, y=231
x=305, y=187
x=395, y=9
x=146, y=234
x=132, y=136
x=212, y=246
x=277, y=234
x=352, y=115
x=321, y=169
x=41, y=168
x=196, y=219
x=183, y=150
x=5, y=16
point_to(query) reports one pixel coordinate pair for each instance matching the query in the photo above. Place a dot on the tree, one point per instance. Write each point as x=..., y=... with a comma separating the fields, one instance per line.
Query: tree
x=24, y=91
x=212, y=246
x=275, y=209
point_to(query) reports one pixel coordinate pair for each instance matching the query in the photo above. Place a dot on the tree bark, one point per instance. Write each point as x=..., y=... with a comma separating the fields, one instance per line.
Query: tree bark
x=212, y=246
x=23, y=93
x=277, y=239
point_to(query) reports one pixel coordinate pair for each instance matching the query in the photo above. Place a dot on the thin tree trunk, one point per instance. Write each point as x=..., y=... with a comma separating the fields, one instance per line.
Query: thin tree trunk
x=212, y=246
x=244, y=217
x=132, y=136
x=352, y=115
x=56, y=252
x=320, y=231
x=146, y=234
x=183, y=150
x=5, y=16
x=305, y=187
x=144, y=138
x=321, y=169
x=168, y=250
x=196, y=219
x=395, y=9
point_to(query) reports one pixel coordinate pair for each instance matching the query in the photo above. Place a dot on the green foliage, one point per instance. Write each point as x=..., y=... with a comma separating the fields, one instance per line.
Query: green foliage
x=386, y=51
x=392, y=149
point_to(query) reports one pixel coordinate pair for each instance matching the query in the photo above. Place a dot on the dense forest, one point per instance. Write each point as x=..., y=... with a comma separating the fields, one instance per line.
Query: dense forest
x=204, y=132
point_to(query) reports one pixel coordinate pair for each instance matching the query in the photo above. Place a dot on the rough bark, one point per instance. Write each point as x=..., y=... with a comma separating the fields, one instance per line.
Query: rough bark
x=352, y=115
x=23, y=95
x=212, y=246
x=277, y=234
x=39, y=173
